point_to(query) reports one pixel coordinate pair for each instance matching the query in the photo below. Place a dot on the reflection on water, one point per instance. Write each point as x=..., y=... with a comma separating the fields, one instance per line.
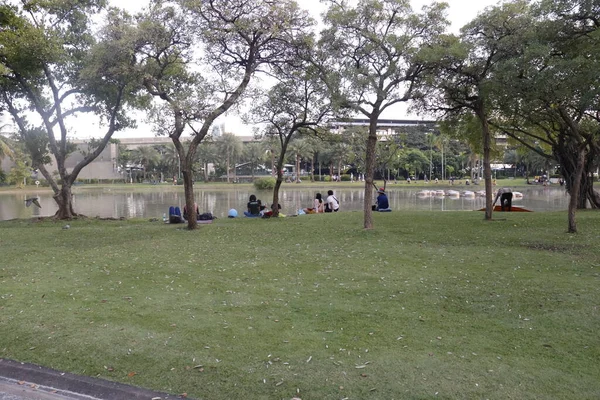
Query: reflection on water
x=105, y=202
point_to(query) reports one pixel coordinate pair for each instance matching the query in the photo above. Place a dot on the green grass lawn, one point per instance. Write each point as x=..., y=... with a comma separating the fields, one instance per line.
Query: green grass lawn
x=427, y=305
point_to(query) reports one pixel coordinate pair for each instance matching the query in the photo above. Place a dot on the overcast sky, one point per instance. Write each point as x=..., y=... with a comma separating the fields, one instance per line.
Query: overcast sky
x=459, y=13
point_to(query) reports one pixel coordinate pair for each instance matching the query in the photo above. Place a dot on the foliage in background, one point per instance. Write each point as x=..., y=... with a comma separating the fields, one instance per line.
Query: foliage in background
x=54, y=65
x=264, y=183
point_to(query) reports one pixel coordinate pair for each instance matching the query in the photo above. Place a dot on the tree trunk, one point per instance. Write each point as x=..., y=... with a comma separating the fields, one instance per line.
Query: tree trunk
x=320, y=173
x=64, y=199
x=443, y=172
x=370, y=171
x=487, y=170
x=568, y=164
x=188, y=185
x=228, y=167
x=278, y=182
x=297, y=168
x=573, y=202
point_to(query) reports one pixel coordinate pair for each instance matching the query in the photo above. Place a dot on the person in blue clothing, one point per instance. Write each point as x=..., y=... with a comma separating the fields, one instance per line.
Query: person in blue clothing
x=254, y=207
x=383, y=204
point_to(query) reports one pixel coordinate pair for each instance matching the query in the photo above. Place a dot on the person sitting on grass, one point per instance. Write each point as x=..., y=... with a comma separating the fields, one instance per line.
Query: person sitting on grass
x=269, y=214
x=331, y=203
x=383, y=204
x=254, y=207
x=317, y=206
x=186, y=214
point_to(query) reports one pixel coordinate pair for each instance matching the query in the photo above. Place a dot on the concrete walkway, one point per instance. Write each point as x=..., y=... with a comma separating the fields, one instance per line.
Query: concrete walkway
x=23, y=381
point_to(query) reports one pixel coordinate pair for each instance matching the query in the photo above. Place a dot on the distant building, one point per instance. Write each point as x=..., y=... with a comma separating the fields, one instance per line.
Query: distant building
x=385, y=127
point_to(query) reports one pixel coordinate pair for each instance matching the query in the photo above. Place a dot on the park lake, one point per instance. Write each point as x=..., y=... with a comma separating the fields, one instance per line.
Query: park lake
x=153, y=202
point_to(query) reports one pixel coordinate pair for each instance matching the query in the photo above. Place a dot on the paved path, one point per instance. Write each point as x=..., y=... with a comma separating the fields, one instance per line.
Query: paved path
x=11, y=389
x=23, y=381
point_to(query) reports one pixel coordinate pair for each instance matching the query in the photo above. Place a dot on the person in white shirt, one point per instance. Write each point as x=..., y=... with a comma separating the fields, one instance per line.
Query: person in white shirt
x=331, y=203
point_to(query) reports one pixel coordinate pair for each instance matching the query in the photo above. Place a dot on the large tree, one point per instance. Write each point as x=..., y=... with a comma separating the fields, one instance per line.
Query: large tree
x=552, y=84
x=464, y=83
x=53, y=66
x=374, y=61
x=198, y=59
x=296, y=105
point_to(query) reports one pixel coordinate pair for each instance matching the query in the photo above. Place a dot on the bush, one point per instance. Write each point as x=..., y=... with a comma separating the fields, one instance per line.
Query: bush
x=264, y=183
x=345, y=177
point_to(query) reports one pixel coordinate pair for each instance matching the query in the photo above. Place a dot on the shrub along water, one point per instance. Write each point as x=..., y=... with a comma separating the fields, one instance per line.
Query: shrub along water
x=264, y=183
x=426, y=305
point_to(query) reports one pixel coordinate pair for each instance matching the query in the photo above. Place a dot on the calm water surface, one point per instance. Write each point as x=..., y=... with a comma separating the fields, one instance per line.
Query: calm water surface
x=105, y=202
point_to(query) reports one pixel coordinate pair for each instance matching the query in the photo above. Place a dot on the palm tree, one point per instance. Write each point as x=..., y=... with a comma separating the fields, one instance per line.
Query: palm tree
x=230, y=146
x=272, y=149
x=5, y=146
x=316, y=146
x=206, y=153
x=301, y=148
x=5, y=149
x=146, y=156
x=254, y=154
x=170, y=159
x=441, y=142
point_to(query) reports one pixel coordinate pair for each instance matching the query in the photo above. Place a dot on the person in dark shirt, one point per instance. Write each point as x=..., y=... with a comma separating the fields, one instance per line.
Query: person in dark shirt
x=505, y=195
x=254, y=207
x=382, y=201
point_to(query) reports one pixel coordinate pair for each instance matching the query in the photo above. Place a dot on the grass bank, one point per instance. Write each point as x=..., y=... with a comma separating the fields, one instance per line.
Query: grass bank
x=427, y=305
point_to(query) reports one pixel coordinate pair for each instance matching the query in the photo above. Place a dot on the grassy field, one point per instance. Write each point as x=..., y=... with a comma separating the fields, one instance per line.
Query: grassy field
x=427, y=305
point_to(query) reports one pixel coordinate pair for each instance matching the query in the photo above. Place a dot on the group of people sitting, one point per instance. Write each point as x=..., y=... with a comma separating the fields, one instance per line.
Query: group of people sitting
x=256, y=209
x=175, y=216
x=331, y=204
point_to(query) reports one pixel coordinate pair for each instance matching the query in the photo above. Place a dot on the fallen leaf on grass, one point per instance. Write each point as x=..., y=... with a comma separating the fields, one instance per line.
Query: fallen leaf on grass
x=131, y=374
